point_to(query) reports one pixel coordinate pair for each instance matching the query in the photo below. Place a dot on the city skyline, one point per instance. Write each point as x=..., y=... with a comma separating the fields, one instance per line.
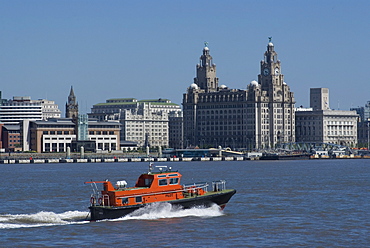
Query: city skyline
x=147, y=50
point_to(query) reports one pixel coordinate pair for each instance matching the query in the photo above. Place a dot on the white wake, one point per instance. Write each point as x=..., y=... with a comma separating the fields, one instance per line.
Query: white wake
x=150, y=212
x=8, y=221
x=166, y=210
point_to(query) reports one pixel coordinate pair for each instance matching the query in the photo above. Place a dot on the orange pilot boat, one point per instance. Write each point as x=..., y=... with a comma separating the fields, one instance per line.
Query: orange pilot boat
x=161, y=186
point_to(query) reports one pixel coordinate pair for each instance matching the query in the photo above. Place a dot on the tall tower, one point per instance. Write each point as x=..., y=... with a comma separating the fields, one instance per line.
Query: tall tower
x=71, y=105
x=271, y=104
x=213, y=115
x=319, y=98
x=206, y=72
x=270, y=75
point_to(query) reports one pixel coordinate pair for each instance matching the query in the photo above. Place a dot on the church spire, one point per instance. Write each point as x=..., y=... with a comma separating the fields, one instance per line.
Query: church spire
x=71, y=105
x=72, y=93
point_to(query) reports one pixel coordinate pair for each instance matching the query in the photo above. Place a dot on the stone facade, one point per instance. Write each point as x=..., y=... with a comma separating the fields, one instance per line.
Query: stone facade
x=319, y=98
x=259, y=117
x=327, y=126
x=145, y=127
x=145, y=122
x=213, y=115
x=270, y=105
x=175, y=129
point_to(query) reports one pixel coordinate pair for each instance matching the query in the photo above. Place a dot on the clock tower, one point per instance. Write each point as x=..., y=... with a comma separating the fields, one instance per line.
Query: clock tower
x=206, y=72
x=270, y=69
x=272, y=103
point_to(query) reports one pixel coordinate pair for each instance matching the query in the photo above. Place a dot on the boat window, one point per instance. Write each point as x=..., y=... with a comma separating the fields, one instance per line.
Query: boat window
x=174, y=180
x=139, y=199
x=172, y=175
x=124, y=201
x=162, y=182
x=161, y=175
x=148, y=182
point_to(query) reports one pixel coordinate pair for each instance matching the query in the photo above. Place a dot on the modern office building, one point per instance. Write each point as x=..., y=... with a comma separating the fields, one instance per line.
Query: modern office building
x=23, y=108
x=16, y=114
x=55, y=135
x=363, y=130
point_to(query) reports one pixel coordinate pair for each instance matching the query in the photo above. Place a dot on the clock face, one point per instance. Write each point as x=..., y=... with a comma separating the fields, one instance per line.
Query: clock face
x=276, y=70
x=266, y=71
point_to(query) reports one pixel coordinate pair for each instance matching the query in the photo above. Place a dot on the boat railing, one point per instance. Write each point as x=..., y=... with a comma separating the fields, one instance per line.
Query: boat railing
x=219, y=185
x=202, y=185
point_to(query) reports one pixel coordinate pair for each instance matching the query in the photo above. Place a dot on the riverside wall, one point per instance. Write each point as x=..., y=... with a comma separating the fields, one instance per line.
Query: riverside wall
x=53, y=158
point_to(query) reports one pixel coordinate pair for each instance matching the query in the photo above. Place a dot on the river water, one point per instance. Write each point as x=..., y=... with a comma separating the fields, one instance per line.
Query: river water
x=310, y=203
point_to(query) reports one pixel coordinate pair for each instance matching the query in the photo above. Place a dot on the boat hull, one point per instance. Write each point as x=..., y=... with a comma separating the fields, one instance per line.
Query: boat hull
x=220, y=198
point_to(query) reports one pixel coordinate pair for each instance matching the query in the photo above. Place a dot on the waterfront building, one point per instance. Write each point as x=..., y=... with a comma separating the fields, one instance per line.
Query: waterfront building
x=10, y=137
x=23, y=108
x=55, y=135
x=112, y=108
x=325, y=125
x=363, y=134
x=15, y=111
x=213, y=115
x=259, y=117
x=49, y=109
x=18, y=112
x=270, y=105
x=363, y=112
x=145, y=122
x=144, y=127
x=175, y=129
x=363, y=125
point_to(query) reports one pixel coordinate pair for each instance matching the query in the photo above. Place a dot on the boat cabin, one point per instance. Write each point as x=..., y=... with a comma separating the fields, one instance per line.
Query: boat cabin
x=150, y=187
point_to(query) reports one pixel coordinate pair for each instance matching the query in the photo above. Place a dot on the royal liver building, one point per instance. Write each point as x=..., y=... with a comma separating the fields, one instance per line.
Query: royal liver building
x=213, y=115
x=259, y=117
x=270, y=105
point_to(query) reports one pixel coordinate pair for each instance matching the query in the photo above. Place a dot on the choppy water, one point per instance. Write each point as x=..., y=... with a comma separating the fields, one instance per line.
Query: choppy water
x=313, y=203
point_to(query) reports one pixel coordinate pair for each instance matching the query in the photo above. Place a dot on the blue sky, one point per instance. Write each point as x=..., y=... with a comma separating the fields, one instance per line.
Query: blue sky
x=149, y=49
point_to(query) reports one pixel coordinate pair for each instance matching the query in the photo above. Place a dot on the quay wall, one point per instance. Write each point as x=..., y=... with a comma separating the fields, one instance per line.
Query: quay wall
x=30, y=160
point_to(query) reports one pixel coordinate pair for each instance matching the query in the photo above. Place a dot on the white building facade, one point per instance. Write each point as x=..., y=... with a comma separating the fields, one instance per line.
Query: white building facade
x=327, y=126
x=23, y=108
x=145, y=126
x=144, y=122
